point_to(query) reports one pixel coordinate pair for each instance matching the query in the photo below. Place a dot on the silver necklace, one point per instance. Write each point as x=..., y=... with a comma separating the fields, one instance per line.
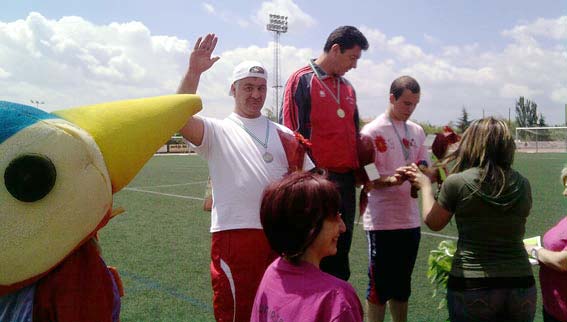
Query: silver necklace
x=405, y=149
x=267, y=156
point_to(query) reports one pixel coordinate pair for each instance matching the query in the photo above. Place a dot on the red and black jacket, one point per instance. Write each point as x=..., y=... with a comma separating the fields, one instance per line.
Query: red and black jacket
x=311, y=110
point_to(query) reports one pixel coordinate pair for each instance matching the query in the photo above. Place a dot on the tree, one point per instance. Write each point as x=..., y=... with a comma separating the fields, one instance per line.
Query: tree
x=429, y=128
x=543, y=135
x=541, y=120
x=464, y=121
x=526, y=113
x=527, y=116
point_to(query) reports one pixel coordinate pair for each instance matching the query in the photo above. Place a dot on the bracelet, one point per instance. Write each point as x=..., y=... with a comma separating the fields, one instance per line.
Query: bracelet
x=534, y=252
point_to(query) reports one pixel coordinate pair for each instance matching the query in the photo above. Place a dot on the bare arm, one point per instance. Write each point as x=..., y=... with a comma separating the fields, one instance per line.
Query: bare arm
x=555, y=260
x=200, y=61
x=551, y=259
x=385, y=181
x=434, y=216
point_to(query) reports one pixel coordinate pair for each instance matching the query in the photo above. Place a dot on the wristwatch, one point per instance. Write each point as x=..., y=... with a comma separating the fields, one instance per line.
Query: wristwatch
x=534, y=252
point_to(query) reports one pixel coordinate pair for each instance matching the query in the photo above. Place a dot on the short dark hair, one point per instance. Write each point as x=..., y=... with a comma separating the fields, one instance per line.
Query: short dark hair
x=402, y=83
x=293, y=211
x=346, y=37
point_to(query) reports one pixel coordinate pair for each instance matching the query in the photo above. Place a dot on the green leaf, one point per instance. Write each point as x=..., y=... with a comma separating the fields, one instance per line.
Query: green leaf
x=439, y=262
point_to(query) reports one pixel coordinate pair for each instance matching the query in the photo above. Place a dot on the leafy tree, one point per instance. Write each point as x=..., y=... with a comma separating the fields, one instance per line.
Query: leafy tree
x=541, y=120
x=543, y=135
x=429, y=128
x=526, y=113
x=464, y=121
x=527, y=116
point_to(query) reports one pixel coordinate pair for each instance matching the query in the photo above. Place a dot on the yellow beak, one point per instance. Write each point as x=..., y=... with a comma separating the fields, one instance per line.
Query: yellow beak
x=129, y=132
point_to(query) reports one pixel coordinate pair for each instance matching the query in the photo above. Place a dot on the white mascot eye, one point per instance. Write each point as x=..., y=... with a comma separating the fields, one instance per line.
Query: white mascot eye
x=55, y=193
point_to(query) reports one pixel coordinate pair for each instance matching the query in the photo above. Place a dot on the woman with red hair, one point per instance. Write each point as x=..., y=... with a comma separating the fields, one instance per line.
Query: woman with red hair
x=301, y=221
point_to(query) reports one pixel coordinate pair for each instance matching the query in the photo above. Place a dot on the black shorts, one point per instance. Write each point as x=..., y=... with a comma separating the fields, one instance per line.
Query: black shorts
x=392, y=255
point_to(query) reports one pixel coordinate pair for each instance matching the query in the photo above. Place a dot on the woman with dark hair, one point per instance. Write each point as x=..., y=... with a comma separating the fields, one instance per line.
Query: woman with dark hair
x=552, y=259
x=491, y=278
x=301, y=221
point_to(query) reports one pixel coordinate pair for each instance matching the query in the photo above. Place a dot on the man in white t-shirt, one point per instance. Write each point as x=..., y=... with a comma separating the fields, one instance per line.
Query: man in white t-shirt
x=244, y=154
x=391, y=219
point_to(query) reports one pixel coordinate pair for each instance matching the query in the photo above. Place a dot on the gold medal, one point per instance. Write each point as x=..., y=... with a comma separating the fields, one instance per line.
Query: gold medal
x=341, y=113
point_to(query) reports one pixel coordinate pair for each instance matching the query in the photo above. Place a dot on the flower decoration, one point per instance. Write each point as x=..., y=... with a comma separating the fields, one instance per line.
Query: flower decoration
x=448, y=129
x=451, y=136
x=406, y=143
x=380, y=143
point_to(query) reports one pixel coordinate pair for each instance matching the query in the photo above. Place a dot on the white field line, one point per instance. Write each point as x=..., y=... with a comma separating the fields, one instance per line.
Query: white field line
x=427, y=233
x=551, y=158
x=170, y=185
x=197, y=198
x=163, y=194
x=438, y=235
x=168, y=154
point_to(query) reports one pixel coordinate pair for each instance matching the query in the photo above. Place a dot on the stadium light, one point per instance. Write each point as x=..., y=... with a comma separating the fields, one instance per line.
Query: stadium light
x=277, y=25
x=37, y=103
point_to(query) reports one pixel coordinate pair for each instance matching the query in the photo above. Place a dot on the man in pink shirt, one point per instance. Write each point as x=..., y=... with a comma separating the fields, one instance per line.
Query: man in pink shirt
x=392, y=217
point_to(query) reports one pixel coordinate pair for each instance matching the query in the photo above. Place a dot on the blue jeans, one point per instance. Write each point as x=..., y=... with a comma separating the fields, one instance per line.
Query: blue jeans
x=497, y=304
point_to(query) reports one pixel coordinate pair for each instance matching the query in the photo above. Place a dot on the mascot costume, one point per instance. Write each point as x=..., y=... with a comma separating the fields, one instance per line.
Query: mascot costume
x=60, y=171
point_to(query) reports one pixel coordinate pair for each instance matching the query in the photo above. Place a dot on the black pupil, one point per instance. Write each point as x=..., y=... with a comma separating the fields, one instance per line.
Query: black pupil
x=30, y=177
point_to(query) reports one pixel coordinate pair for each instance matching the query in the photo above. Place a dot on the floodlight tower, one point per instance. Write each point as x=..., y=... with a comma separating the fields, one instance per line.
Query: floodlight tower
x=37, y=103
x=278, y=24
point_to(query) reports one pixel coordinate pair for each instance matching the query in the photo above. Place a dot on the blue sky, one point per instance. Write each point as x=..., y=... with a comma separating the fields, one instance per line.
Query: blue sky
x=478, y=54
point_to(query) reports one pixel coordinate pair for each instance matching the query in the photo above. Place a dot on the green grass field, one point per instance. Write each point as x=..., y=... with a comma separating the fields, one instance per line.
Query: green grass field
x=161, y=244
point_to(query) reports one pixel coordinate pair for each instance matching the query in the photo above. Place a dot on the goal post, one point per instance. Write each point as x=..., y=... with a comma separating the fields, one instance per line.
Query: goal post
x=541, y=139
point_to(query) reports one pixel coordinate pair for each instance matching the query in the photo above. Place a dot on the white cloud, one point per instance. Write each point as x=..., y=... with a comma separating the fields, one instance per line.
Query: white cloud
x=298, y=20
x=71, y=61
x=208, y=7
x=430, y=39
x=559, y=95
x=514, y=91
x=4, y=74
x=396, y=45
x=482, y=80
x=225, y=15
x=555, y=29
x=243, y=22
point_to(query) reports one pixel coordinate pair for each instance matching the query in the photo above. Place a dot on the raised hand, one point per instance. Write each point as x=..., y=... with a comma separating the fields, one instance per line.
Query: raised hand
x=200, y=59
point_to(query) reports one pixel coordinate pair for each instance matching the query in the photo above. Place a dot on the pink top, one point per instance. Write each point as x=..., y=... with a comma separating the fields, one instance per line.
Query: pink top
x=304, y=293
x=554, y=283
x=393, y=207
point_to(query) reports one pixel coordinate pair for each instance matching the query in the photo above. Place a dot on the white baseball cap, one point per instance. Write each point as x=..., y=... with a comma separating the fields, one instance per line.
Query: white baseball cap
x=248, y=68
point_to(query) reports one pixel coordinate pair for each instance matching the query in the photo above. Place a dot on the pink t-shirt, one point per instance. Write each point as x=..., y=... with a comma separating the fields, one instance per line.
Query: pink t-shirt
x=290, y=293
x=393, y=207
x=554, y=283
